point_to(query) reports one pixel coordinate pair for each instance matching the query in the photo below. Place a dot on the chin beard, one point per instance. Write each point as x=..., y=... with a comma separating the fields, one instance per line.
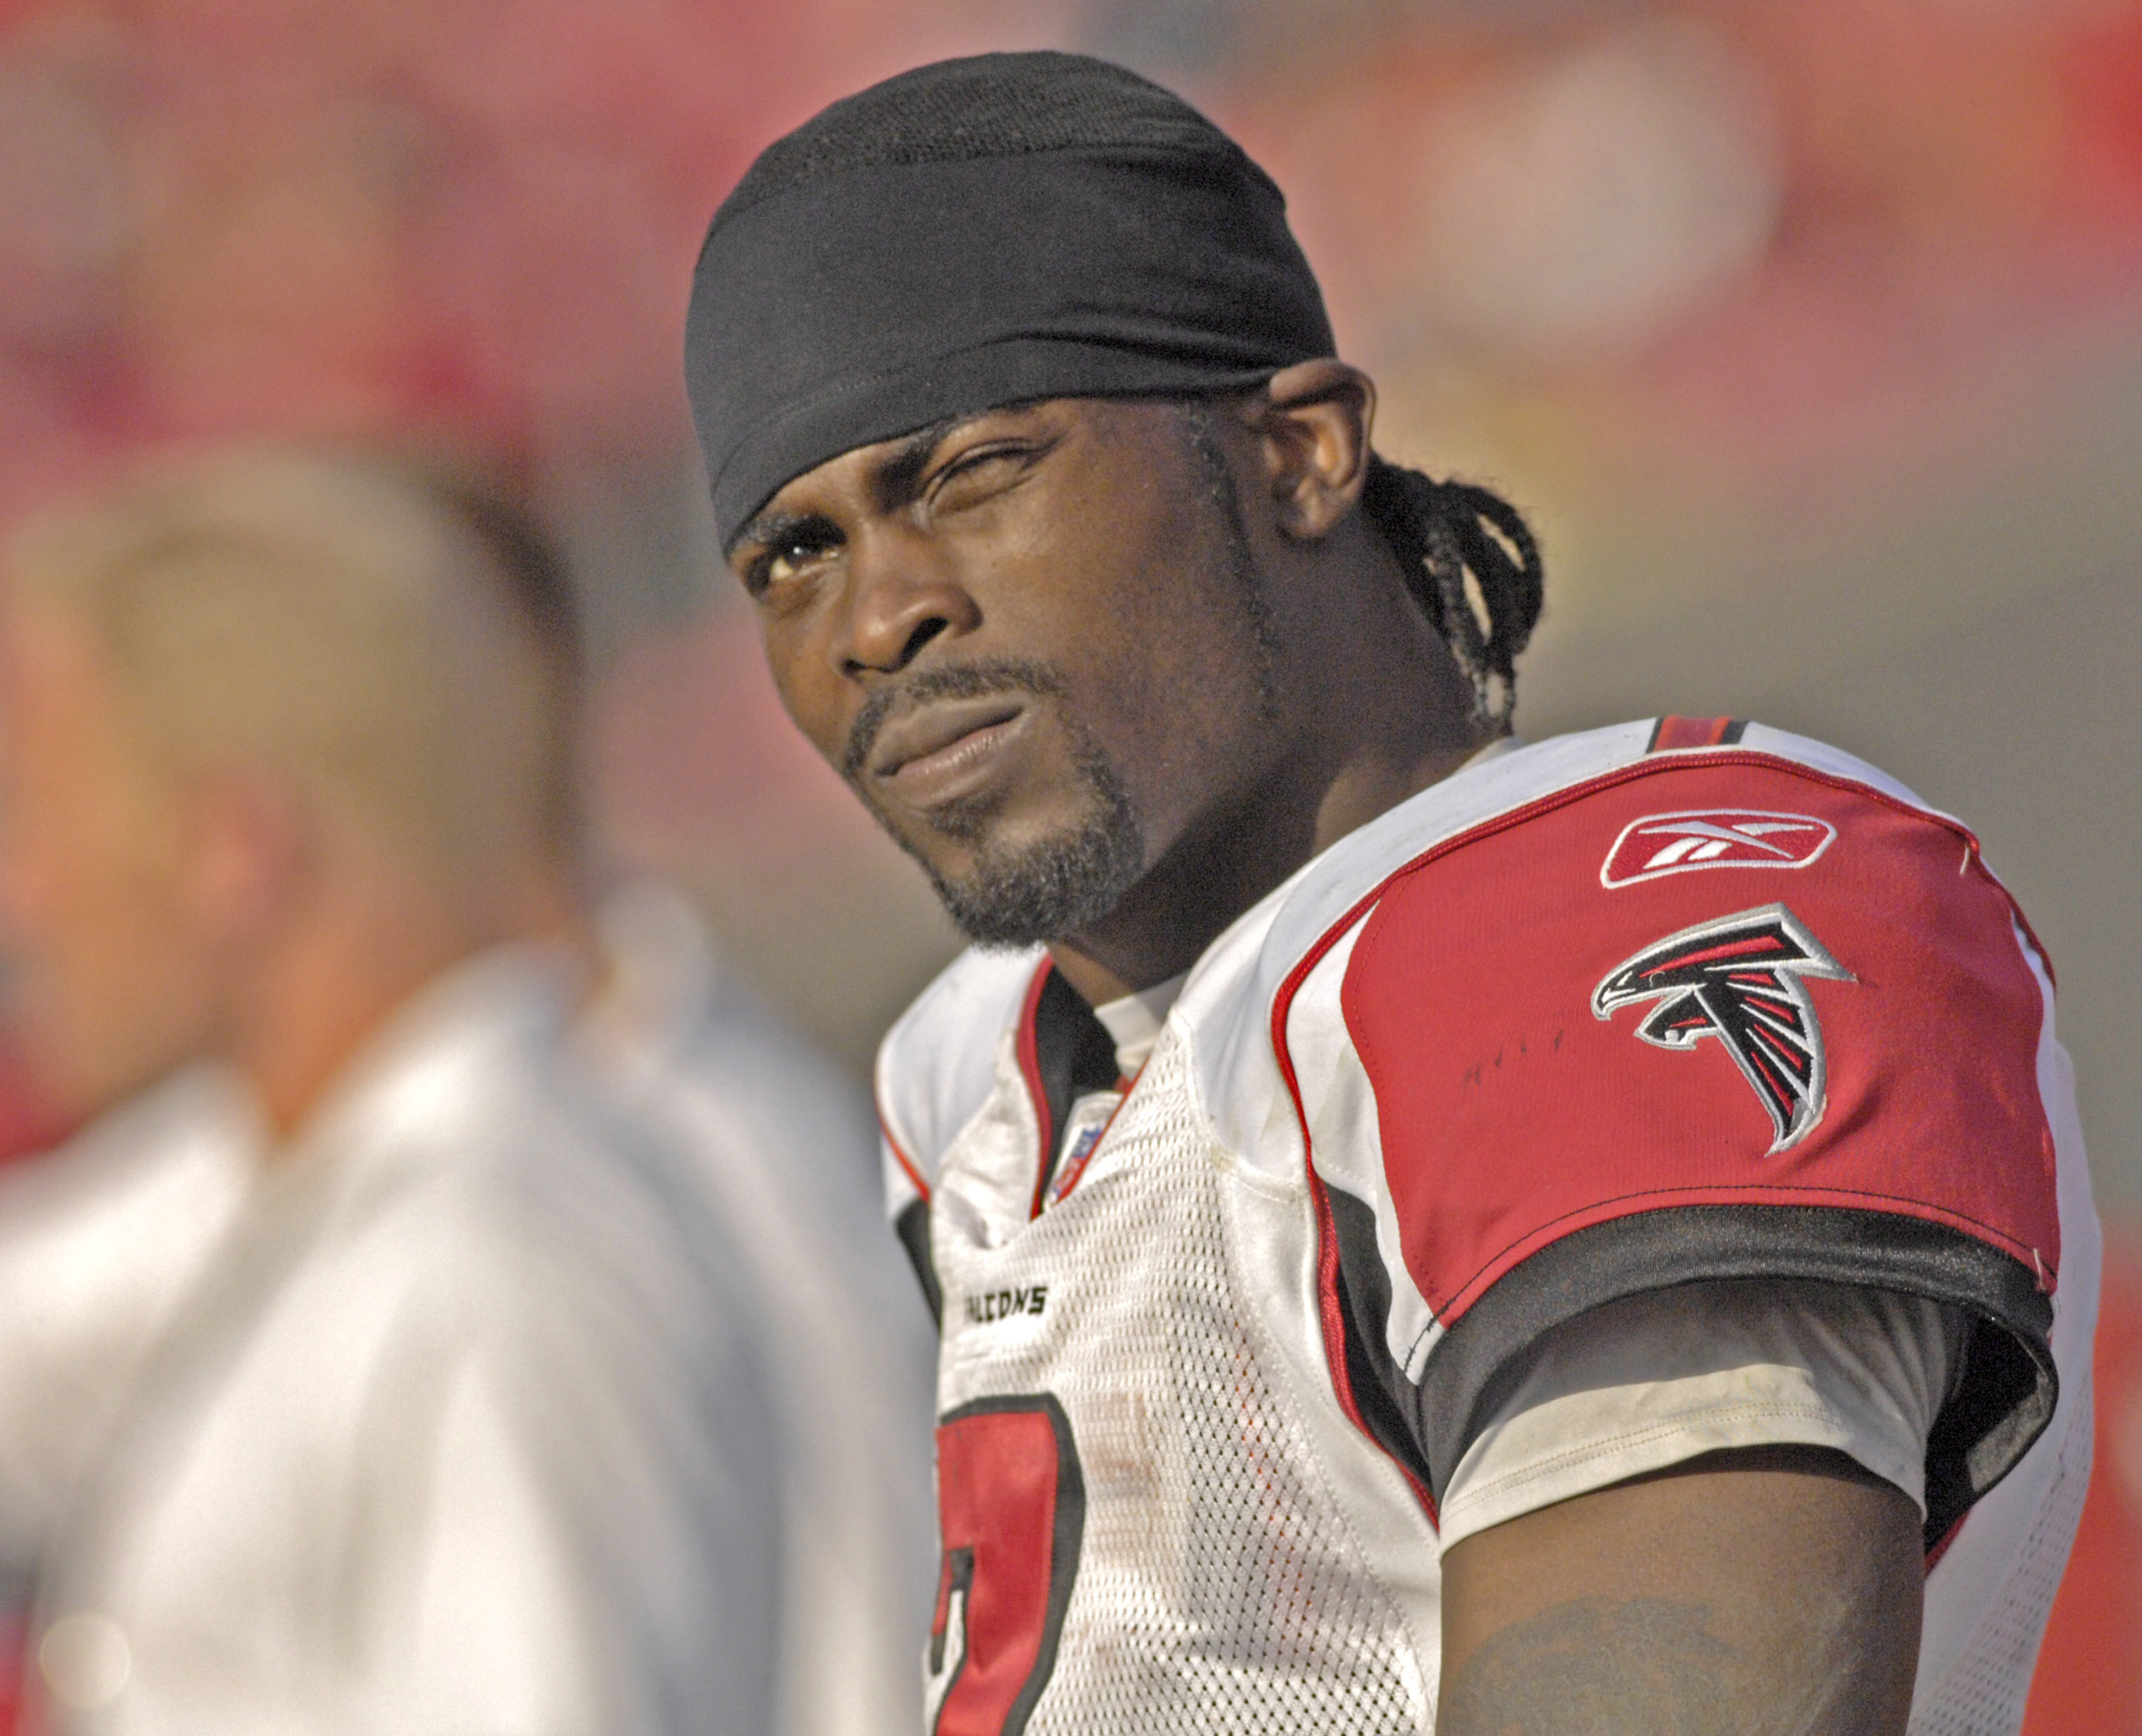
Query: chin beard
x=1051, y=889
x=1047, y=891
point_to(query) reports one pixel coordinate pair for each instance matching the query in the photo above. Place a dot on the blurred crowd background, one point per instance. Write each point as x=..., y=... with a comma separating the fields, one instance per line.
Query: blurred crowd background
x=1810, y=336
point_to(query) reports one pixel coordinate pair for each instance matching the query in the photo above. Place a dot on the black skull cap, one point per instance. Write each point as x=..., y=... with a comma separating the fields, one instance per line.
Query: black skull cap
x=977, y=232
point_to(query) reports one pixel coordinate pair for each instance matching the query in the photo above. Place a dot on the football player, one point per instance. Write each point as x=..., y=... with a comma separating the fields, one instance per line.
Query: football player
x=1429, y=1231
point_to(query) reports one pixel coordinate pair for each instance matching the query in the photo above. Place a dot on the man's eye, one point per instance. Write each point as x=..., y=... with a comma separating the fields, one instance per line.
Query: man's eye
x=976, y=472
x=779, y=562
x=786, y=562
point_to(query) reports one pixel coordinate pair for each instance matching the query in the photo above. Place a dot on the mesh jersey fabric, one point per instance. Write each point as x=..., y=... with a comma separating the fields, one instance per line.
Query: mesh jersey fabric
x=1022, y=1324
x=1657, y=1378
x=1220, y=1587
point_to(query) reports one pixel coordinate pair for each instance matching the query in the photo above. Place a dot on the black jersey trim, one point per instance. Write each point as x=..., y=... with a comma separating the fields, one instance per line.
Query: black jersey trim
x=912, y=1227
x=1381, y=1392
x=1068, y=1053
x=1999, y=1405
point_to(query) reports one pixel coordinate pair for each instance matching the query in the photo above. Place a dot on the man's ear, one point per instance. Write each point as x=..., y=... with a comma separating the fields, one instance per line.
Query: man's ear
x=251, y=852
x=1313, y=421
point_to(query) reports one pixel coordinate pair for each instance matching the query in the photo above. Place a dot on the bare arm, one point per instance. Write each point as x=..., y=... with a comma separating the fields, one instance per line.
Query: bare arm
x=1772, y=1591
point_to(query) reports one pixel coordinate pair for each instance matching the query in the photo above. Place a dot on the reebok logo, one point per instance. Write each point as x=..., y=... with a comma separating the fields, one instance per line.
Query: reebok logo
x=993, y=1305
x=1686, y=843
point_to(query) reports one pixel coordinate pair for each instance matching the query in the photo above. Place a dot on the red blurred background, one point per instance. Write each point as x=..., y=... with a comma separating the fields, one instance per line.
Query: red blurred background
x=1810, y=335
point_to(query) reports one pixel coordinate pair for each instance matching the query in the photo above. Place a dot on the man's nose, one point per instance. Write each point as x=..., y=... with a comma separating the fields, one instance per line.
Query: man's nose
x=902, y=593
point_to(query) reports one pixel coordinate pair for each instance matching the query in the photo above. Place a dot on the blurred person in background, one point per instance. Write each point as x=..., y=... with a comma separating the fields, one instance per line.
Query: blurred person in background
x=1430, y=1229
x=789, y=1146
x=462, y=1426
x=100, y=1242
x=786, y=1146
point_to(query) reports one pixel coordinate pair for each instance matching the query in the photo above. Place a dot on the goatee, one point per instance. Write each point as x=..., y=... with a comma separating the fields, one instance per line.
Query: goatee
x=1042, y=891
x=1053, y=888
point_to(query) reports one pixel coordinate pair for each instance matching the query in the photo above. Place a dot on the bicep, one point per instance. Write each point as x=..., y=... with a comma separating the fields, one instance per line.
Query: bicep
x=1775, y=1589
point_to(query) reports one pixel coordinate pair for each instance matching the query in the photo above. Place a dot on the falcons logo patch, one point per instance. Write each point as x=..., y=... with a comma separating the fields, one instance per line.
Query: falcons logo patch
x=1739, y=978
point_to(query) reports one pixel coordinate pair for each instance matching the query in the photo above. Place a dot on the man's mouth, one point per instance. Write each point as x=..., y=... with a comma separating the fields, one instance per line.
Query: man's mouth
x=947, y=750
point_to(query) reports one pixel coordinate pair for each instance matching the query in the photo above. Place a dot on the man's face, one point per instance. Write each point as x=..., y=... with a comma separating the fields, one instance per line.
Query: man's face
x=108, y=977
x=1036, y=642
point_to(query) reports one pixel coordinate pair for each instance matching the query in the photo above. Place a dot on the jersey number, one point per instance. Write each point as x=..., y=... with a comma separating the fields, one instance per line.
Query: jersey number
x=1012, y=1508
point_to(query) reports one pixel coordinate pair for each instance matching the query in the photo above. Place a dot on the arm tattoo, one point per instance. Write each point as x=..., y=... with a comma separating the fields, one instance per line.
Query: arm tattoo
x=1595, y=1669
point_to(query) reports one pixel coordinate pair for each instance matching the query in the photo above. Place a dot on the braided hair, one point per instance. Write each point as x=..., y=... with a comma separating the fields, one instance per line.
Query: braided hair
x=1471, y=563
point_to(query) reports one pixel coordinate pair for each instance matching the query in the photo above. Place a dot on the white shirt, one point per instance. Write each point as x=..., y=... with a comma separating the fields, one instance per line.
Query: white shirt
x=788, y=1146
x=100, y=1241
x=460, y=1436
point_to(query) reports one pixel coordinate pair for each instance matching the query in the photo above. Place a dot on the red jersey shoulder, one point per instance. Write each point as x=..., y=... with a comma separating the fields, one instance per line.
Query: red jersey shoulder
x=1721, y=978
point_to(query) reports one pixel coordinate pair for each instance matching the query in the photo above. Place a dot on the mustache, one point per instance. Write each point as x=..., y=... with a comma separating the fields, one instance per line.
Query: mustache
x=975, y=680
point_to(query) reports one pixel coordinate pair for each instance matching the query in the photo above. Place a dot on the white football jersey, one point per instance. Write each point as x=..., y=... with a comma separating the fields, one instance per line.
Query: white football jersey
x=1666, y=1004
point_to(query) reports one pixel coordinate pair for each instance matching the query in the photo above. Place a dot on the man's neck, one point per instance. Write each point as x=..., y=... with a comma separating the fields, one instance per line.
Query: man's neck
x=1380, y=710
x=1166, y=924
x=341, y=971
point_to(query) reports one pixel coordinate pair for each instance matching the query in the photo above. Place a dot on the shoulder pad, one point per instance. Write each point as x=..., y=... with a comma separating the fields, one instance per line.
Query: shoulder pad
x=1729, y=1013
x=936, y=1066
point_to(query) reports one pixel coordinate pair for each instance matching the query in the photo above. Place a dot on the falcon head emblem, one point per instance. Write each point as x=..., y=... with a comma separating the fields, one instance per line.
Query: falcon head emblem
x=1737, y=979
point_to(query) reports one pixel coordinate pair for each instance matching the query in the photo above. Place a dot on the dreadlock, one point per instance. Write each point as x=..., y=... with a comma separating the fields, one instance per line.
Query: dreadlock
x=1445, y=534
